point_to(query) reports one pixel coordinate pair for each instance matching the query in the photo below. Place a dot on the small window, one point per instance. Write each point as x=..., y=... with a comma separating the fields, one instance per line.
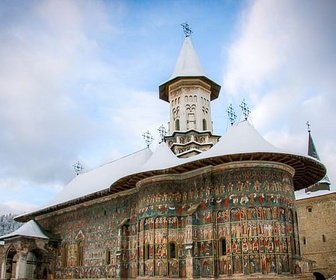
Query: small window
x=80, y=253
x=204, y=124
x=146, y=252
x=65, y=255
x=324, y=238
x=222, y=247
x=309, y=209
x=108, y=256
x=177, y=124
x=172, y=250
x=304, y=241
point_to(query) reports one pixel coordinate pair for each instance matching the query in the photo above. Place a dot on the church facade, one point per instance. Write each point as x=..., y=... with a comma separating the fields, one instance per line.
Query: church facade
x=212, y=208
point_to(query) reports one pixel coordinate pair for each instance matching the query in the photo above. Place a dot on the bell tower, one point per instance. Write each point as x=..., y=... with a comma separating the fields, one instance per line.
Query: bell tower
x=189, y=93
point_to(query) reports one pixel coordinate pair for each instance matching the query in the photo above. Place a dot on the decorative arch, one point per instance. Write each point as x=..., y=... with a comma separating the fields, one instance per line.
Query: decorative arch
x=319, y=276
x=37, y=264
x=11, y=256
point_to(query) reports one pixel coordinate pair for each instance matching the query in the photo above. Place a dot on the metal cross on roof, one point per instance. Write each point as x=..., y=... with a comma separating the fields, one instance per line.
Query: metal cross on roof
x=186, y=29
x=245, y=109
x=231, y=114
x=163, y=132
x=148, y=138
x=308, y=125
x=78, y=167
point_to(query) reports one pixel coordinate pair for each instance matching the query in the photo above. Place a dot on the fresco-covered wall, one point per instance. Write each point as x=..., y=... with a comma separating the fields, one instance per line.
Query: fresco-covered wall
x=236, y=218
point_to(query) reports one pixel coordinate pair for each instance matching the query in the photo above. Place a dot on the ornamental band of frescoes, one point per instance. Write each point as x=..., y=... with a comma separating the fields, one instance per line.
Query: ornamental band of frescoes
x=236, y=218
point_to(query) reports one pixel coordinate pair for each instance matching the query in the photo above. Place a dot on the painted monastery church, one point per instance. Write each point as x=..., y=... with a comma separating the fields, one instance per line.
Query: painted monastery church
x=200, y=206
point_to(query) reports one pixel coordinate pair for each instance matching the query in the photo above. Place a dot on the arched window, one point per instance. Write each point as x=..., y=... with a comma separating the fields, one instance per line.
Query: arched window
x=80, y=253
x=65, y=255
x=204, y=124
x=146, y=252
x=10, y=262
x=222, y=247
x=177, y=124
x=172, y=253
x=108, y=256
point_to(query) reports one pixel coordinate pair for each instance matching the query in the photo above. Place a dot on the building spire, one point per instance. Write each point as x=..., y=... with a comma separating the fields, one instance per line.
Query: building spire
x=188, y=63
x=312, y=151
x=323, y=184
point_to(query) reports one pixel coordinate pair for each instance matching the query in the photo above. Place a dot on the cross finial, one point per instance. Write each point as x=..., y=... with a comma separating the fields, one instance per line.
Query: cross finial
x=308, y=125
x=148, y=138
x=186, y=29
x=245, y=109
x=231, y=114
x=78, y=167
x=163, y=132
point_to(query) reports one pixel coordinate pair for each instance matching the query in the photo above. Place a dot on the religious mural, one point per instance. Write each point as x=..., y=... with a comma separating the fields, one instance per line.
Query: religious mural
x=234, y=219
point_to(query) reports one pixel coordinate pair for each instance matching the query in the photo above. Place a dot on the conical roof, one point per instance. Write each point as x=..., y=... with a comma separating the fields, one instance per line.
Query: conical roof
x=188, y=66
x=162, y=158
x=241, y=138
x=324, y=183
x=187, y=63
x=30, y=229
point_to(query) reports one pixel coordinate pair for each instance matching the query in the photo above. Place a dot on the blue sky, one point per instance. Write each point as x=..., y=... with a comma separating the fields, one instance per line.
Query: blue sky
x=79, y=80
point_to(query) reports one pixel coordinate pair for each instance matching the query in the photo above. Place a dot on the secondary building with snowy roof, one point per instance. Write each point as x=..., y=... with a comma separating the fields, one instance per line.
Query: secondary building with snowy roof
x=200, y=206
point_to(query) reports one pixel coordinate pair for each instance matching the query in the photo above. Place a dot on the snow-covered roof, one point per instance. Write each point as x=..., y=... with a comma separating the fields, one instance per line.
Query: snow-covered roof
x=302, y=194
x=30, y=229
x=98, y=179
x=102, y=177
x=240, y=138
x=188, y=64
x=162, y=158
x=240, y=143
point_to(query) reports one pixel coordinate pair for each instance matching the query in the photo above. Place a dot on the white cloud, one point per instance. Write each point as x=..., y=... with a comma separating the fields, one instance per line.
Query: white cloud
x=283, y=63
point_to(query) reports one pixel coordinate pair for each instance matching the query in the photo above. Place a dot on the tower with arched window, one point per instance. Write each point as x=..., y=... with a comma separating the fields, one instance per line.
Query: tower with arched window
x=189, y=93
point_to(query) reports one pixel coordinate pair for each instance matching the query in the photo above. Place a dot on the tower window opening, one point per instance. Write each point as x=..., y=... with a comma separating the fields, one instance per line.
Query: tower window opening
x=304, y=241
x=204, y=124
x=177, y=124
x=324, y=238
